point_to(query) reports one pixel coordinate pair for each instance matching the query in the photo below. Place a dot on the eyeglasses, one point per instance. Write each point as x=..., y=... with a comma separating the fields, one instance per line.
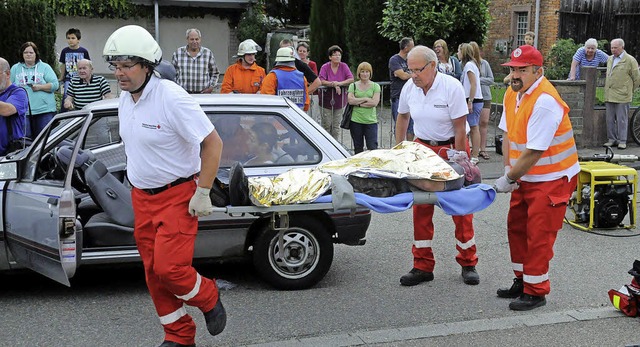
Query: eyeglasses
x=417, y=71
x=122, y=68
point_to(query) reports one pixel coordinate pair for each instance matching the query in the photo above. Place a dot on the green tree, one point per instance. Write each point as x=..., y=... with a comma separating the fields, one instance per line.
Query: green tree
x=364, y=41
x=558, y=62
x=31, y=20
x=289, y=11
x=327, y=28
x=428, y=20
x=253, y=25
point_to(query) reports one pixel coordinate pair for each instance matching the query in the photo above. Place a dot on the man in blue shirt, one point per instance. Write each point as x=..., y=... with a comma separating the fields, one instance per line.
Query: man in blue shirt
x=14, y=104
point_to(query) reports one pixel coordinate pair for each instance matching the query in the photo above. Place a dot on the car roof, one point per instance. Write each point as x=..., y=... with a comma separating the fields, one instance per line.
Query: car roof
x=210, y=100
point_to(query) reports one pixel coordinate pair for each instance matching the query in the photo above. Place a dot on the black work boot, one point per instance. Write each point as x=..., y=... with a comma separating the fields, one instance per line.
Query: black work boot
x=174, y=344
x=527, y=302
x=216, y=318
x=416, y=276
x=470, y=275
x=238, y=186
x=515, y=291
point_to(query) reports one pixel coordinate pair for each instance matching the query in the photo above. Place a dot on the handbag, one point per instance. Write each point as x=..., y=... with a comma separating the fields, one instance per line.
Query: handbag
x=345, y=123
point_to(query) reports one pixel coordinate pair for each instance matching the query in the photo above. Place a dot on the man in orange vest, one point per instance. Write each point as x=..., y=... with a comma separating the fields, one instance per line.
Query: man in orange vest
x=541, y=166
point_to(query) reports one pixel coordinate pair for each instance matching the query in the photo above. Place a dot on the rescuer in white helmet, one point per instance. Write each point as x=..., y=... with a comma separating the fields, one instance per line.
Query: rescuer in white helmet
x=173, y=152
x=245, y=76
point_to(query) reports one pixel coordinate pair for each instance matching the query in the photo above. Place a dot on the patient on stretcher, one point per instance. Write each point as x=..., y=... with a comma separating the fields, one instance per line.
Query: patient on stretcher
x=377, y=173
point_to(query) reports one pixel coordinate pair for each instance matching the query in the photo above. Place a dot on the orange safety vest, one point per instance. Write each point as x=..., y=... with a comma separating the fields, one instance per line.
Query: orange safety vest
x=562, y=152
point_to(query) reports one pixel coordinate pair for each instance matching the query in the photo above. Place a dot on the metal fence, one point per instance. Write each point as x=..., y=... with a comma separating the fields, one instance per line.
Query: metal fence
x=386, y=135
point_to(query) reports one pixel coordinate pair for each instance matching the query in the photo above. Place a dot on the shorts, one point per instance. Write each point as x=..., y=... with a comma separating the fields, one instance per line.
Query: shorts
x=473, y=118
x=487, y=104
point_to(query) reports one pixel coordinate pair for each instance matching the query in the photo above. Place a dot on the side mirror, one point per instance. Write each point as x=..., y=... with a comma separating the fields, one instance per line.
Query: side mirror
x=9, y=170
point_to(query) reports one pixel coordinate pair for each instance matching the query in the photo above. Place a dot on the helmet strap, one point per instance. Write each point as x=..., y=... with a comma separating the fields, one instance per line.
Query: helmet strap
x=146, y=80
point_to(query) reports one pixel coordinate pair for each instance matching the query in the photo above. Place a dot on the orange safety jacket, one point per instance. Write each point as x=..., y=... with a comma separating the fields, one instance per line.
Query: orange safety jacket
x=562, y=152
x=240, y=80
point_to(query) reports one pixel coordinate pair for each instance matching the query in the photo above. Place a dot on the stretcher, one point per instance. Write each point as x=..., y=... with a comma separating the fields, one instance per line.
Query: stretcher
x=467, y=200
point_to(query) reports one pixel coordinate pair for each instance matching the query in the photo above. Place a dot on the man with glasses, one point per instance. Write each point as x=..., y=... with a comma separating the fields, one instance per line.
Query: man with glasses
x=195, y=65
x=398, y=74
x=173, y=153
x=14, y=104
x=436, y=103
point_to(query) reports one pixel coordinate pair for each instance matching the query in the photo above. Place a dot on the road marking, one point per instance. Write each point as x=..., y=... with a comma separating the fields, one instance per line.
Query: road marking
x=446, y=329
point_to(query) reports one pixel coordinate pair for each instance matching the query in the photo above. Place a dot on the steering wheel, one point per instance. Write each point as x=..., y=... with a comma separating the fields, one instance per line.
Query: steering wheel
x=62, y=157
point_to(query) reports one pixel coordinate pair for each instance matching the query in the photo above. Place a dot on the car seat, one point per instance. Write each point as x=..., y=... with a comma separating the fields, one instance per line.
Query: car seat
x=113, y=226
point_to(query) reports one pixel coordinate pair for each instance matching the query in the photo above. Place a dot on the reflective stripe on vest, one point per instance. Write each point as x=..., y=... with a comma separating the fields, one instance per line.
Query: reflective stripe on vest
x=291, y=85
x=562, y=152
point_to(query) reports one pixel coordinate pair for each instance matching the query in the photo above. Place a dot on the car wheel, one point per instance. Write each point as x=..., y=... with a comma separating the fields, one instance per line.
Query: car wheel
x=300, y=260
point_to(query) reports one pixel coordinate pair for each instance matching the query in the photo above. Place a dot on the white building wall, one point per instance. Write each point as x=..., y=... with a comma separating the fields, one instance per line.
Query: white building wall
x=96, y=31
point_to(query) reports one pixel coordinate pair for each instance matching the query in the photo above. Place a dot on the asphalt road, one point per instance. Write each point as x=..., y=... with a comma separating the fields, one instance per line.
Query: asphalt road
x=359, y=302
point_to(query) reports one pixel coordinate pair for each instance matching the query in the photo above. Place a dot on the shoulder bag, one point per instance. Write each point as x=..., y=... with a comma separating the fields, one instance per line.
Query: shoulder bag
x=345, y=123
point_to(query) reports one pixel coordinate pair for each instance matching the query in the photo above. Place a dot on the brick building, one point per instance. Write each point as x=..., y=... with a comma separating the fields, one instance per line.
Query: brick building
x=510, y=19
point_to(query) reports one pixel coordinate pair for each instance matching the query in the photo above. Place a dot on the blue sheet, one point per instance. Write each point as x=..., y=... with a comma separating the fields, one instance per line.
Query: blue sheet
x=467, y=200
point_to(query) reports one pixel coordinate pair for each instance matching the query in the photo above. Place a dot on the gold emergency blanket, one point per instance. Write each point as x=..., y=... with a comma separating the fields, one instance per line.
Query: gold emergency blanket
x=407, y=160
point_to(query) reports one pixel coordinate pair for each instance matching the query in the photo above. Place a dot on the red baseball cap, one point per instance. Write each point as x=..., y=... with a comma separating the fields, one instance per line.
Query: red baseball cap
x=525, y=55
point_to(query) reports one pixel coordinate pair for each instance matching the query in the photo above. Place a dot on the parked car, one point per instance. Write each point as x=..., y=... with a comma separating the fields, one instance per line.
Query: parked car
x=66, y=202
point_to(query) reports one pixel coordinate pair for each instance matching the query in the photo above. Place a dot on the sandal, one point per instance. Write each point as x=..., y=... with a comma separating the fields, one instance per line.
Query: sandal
x=484, y=155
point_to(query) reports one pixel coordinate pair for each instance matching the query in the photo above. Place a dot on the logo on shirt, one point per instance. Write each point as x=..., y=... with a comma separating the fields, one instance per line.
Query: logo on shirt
x=151, y=126
x=440, y=106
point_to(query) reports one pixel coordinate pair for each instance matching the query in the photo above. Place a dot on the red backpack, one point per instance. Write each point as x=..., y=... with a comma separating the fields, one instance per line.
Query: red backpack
x=627, y=298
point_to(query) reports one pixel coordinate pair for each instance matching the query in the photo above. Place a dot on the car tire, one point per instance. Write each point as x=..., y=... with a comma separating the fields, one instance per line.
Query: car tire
x=305, y=259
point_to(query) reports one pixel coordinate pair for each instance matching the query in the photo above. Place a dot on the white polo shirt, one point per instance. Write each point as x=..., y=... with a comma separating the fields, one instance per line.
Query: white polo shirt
x=162, y=133
x=433, y=113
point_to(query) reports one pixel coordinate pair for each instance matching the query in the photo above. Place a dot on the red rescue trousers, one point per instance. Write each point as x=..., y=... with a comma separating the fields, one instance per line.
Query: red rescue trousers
x=423, y=231
x=165, y=234
x=535, y=217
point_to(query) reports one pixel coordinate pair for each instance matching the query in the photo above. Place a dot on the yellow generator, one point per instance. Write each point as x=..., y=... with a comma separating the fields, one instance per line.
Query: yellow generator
x=605, y=194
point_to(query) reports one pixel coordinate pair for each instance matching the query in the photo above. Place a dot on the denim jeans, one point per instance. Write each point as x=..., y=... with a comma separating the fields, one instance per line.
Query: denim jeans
x=361, y=133
x=394, y=114
x=37, y=122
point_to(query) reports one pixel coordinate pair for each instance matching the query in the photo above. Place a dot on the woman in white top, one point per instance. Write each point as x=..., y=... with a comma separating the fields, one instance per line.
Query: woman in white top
x=471, y=82
x=486, y=81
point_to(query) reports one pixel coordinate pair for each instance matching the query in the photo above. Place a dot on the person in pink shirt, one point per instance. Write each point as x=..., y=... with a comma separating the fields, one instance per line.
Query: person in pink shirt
x=336, y=77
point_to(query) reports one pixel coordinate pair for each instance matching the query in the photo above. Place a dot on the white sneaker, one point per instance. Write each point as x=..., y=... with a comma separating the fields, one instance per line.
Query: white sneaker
x=609, y=143
x=474, y=160
x=622, y=146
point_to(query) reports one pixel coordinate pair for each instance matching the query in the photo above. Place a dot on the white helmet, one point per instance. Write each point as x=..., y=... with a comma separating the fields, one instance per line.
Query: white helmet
x=285, y=54
x=132, y=42
x=248, y=47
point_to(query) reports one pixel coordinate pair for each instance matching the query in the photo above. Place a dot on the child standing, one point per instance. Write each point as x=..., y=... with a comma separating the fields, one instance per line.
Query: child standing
x=69, y=57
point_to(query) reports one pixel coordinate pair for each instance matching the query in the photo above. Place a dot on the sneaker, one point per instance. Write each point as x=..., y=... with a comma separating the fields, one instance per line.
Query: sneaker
x=416, y=276
x=515, y=291
x=622, y=146
x=174, y=344
x=216, y=318
x=527, y=302
x=609, y=143
x=474, y=160
x=470, y=275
